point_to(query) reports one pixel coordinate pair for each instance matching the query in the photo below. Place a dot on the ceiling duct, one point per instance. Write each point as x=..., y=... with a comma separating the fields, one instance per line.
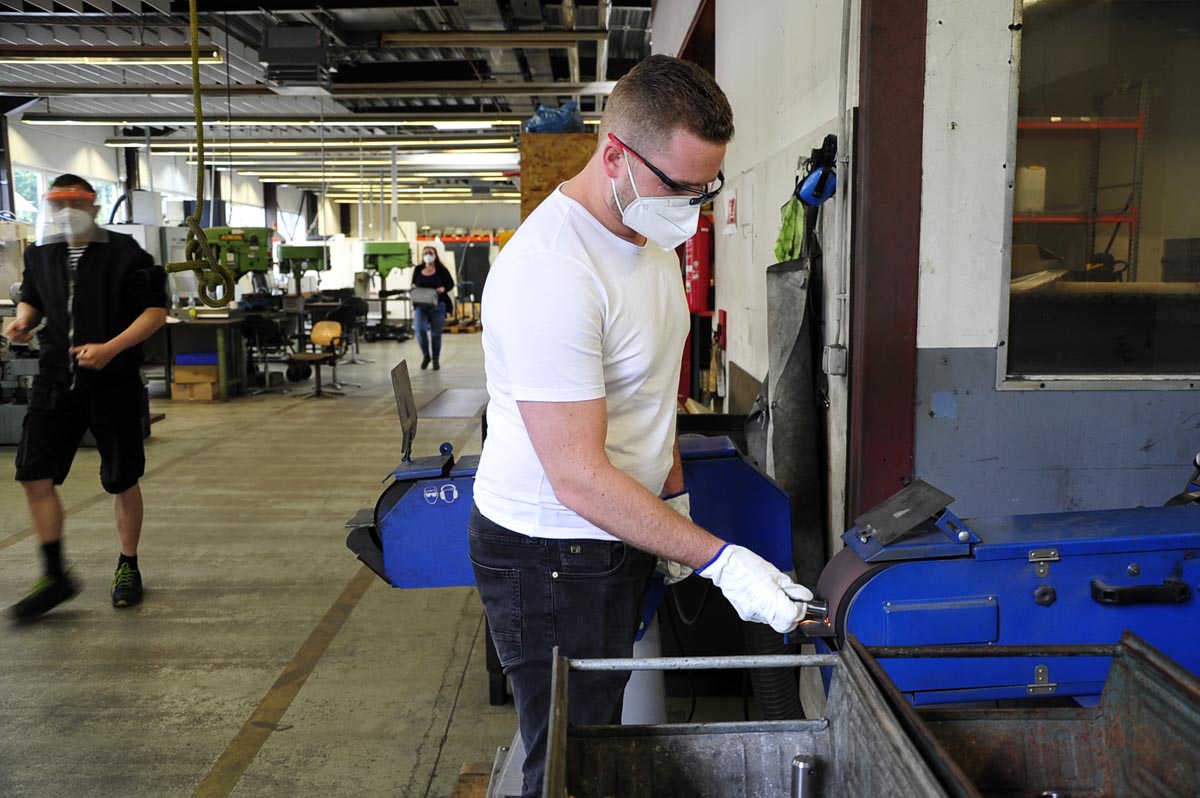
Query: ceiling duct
x=297, y=60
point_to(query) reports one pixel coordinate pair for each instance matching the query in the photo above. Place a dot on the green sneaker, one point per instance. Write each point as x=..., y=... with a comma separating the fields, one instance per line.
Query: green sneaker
x=127, y=586
x=46, y=594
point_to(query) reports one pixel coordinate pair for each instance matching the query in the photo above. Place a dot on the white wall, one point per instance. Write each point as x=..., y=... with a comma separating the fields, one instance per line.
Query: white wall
x=171, y=174
x=244, y=190
x=488, y=216
x=59, y=150
x=672, y=21
x=784, y=97
x=784, y=93
x=965, y=201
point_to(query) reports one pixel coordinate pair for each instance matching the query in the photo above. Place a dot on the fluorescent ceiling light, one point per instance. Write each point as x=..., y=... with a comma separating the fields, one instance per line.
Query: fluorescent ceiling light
x=462, y=125
x=349, y=198
x=163, y=145
x=287, y=121
x=104, y=54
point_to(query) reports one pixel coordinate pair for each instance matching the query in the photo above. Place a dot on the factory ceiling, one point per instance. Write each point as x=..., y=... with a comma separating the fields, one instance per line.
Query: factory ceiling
x=439, y=80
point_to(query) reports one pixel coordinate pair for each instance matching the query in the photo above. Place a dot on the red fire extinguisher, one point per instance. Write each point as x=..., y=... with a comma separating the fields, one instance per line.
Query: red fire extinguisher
x=697, y=267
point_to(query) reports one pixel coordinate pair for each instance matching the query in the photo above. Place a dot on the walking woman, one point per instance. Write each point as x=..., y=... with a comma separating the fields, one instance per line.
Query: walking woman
x=429, y=318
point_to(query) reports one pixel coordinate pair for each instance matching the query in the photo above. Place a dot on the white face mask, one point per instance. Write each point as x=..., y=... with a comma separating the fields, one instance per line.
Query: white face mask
x=74, y=223
x=429, y=259
x=667, y=221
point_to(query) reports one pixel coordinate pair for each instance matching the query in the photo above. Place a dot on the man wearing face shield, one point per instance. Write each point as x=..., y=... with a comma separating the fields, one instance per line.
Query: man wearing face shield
x=92, y=297
x=580, y=489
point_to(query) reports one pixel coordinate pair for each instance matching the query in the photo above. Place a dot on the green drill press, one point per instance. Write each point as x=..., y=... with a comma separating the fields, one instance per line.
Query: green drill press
x=382, y=258
x=243, y=250
x=297, y=259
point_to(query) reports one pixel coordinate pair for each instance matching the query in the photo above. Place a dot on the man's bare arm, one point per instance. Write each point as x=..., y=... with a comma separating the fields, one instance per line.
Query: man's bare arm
x=569, y=440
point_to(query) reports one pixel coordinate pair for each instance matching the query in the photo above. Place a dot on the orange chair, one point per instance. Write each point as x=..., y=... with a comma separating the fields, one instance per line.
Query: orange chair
x=327, y=337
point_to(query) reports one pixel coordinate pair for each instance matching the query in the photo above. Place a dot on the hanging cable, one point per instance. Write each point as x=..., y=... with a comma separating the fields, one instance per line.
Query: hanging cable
x=214, y=282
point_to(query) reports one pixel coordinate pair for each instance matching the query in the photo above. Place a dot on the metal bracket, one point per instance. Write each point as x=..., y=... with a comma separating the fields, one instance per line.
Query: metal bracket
x=1041, y=682
x=1042, y=558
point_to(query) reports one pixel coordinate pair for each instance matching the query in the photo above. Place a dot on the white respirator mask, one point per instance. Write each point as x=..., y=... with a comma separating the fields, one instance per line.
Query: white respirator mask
x=74, y=223
x=667, y=221
x=429, y=259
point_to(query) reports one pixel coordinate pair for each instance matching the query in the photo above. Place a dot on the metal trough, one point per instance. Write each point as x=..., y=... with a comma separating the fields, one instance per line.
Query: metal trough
x=859, y=748
x=1141, y=741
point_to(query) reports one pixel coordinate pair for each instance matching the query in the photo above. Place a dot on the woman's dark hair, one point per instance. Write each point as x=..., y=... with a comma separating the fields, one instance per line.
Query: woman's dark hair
x=437, y=261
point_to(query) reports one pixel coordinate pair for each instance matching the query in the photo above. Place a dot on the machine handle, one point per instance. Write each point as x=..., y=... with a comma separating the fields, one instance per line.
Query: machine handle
x=1171, y=591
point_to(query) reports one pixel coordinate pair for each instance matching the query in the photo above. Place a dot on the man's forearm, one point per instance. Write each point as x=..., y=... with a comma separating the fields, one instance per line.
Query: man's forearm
x=28, y=314
x=141, y=329
x=618, y=504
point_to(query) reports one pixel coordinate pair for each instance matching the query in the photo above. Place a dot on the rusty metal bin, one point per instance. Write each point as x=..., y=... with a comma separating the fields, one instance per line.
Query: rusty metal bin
x=1141, y=741
x=859, y=748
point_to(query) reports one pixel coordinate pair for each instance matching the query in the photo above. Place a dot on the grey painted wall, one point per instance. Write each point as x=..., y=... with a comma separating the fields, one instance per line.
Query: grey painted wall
x=1002, y=452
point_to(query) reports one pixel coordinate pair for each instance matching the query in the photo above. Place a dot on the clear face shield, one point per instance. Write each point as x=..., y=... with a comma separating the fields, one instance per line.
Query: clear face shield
x=68, y=214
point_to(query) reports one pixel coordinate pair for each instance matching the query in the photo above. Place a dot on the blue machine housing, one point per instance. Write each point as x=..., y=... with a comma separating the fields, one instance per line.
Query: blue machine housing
x=421, y=518
x=1052, y=579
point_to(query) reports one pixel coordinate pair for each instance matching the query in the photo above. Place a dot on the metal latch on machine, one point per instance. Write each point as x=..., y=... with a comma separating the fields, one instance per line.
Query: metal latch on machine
x=1041, y=558
x=1041, y=681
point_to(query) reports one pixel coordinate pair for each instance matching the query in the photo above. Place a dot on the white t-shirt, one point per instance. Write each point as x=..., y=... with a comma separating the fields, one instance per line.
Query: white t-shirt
x=571, y=312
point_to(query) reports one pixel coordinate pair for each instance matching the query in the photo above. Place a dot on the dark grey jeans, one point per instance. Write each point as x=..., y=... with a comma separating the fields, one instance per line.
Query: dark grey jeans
x=584, y=596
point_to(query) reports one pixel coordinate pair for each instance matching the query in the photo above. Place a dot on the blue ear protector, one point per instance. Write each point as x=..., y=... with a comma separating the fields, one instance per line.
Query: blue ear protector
x=818, y=186
x=821, y=181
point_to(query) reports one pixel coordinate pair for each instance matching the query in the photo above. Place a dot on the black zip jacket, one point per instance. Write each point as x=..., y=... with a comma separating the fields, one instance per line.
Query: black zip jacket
x=116, y=280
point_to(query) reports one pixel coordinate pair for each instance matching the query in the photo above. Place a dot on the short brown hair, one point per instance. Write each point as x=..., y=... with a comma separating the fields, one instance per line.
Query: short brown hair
x=661, y=95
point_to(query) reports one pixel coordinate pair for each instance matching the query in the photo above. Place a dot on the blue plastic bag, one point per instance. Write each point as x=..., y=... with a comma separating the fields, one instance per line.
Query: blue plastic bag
x=566, y=119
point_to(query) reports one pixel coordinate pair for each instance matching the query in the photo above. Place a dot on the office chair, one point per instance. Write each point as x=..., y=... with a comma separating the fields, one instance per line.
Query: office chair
x=264, y=335
x=326, y=336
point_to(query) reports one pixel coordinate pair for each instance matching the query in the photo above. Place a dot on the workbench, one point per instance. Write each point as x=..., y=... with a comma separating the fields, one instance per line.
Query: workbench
x=222, y=335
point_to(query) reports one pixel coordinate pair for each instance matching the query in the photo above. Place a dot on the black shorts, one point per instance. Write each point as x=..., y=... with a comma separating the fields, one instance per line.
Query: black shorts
x=57, y=418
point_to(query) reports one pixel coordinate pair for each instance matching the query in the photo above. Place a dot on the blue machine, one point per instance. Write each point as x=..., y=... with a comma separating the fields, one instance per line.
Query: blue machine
x=912, y=574
x=417, y=534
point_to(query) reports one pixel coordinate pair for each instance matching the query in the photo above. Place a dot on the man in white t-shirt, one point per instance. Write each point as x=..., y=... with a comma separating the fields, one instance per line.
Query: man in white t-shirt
x=584, y=321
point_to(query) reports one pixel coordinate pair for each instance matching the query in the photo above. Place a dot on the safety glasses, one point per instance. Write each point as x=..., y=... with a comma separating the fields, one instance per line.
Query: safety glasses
x=699, y=196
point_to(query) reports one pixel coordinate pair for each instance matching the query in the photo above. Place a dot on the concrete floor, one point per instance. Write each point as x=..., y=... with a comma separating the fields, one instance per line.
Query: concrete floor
x=265, y=660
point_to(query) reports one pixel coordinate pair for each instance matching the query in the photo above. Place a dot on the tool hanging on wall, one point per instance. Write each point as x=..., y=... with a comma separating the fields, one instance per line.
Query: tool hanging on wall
x=821, y=181
x=214, y=282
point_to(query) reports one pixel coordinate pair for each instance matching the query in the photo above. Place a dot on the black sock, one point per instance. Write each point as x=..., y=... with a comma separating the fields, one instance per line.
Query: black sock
x=127, y=559
x=52, y=554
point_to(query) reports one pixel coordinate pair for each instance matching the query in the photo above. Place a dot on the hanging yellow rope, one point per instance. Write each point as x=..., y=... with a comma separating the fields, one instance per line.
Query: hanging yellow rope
x=213, y=280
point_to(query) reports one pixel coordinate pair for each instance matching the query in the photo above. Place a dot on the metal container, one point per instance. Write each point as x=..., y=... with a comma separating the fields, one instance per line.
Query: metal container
x=1141, y=741
x=859, y=748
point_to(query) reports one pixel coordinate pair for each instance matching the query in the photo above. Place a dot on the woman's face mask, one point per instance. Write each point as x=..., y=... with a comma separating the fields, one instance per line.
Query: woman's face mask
x=667, y=221
x=429, y=258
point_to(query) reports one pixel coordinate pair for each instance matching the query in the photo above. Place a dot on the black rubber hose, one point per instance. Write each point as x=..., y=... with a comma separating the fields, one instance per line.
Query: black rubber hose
x=777, y=690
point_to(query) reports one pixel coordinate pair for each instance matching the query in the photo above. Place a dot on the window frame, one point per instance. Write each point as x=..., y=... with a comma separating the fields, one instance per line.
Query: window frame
x=1050, y=382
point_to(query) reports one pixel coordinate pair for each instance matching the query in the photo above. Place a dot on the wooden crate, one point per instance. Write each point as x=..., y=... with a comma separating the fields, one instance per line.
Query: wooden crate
x=473, y=780
x=548, y=159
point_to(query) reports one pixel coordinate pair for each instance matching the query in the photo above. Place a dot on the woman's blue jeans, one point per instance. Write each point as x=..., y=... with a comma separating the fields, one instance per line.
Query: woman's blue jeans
x=429, y=323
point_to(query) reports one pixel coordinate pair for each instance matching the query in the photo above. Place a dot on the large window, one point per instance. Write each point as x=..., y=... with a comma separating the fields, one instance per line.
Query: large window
x=1106, y=210
x=246, y=215
x=28, y=186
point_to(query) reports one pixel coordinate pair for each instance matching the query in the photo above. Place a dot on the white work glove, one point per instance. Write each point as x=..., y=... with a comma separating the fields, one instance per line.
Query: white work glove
x=758, y=590
x=672, y=571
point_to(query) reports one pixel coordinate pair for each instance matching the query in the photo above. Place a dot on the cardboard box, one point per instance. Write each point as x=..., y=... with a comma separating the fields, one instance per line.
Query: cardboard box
x=193, y=391
x=196, y=374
